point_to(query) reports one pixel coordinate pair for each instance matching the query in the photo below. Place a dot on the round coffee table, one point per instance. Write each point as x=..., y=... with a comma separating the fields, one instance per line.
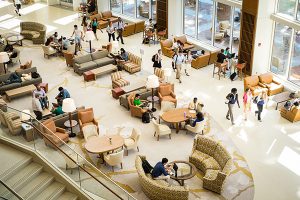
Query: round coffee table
x=185, y=171
x=70, y=126
x=176, y=116
x=100, y=145
x=15, y=39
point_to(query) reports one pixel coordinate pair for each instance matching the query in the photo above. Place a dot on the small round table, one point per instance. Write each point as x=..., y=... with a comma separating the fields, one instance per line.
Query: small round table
x=155, y=99
x=70, y=126
x=15, y=39
x=176, y=116
x=182, y=174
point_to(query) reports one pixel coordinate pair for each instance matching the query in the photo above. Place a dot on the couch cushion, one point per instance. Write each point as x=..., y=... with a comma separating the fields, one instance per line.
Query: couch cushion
x=168, y=98
x=221, y=155
x=107, y=14
x=32, y=81
x=211, y=163
x=266, y=78
x=27, y=71
x=199, y=156
x=165, y=90
x=167, y=43
x=99, y=54
x=206, y=145
x=88, y=65
x=10, y=86
x=252, y=80
x=86, y=116
x=83, y=59
x=103, y=61
x=211, y=174
x=181, y=39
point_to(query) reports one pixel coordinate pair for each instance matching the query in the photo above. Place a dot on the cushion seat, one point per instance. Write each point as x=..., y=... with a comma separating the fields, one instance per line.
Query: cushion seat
x=121, y=82
x=128, y=141
x=168, y=98
x=211, y=174
x=103, y=61
x=62, y=136
x=89, y=64
x=211, y=163
x=199, y=156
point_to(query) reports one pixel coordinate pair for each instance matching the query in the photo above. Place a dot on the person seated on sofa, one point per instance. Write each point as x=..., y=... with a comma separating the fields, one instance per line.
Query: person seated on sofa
x=57, y=109
x=42, y=96
x=199, y=118
x=177, y=46
x=13, y=78
x=63, y=94
x=11, y=51
x=138, y=102
x=295, y=105
x=160, y=171
x=65, y=43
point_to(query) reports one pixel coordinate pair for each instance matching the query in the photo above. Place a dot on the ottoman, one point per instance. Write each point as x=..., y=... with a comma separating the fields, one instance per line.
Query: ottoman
x=89, y=76
x=116, y=92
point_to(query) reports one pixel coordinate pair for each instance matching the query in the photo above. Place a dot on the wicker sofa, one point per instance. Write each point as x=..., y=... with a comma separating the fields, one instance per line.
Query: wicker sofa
x=213, y=160
x=158, y=189
x=33, y=31
x=133, y=64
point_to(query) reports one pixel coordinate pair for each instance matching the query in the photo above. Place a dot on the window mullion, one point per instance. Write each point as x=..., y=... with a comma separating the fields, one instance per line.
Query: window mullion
x=196, y=20
x=213, y=23
x=287, y=75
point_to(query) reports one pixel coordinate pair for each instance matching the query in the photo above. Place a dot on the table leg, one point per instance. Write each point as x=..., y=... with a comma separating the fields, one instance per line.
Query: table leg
x=177, y=127
x=101, y=156
x=276, y=106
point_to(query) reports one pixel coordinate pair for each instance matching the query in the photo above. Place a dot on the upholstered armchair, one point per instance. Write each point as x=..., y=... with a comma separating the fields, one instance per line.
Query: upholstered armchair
x=4, y=116
x=144, y=11
x=86, y=117
x=292, y=115
x=132, y=141
x=117, y=80
x=166, y=47
x=48, y=51
x=161, y=129
x=186, y=45
x=198, y=129
x=114, y=159
x=133, y=64
x=160, y=74
x=89, y=131
x=14, y=125
x=200, y=61
x=57, y=135
x=273, y=86
x=135, y=111
x=107, y=15
x=252, y=82
x=166, y=93
x=69, y=56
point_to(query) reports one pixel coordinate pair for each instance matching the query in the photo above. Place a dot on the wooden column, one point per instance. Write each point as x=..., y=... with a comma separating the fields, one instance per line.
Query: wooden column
x=162, y=14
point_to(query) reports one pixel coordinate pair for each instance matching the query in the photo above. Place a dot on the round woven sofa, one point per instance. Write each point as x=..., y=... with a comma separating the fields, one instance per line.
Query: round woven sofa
x=33, y=31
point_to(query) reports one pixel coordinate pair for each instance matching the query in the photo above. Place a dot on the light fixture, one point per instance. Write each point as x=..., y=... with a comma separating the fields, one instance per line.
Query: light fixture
x=167, y=73
x=152, y=82
x=89, y=35
x=68, y=106
x=4, y=58
x=115, y=47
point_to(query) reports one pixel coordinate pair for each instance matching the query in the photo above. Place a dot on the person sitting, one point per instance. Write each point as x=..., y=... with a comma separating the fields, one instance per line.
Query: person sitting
x=149, y=25
x=221, y=59
x=63, y=94
x=57, y=109
x=199, y=118
x=65, y=43
x=196, y=105
x=55, y=37
x=123, y=55
x=12, y=52
x=42, y=96
x=226, y=52
x=48, y=41
x=138, y=102
x=159, y=171
x=36, y=107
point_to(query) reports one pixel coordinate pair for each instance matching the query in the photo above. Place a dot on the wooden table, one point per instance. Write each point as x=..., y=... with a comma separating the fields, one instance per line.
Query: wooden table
x=176, y=116
x=281, y=98
x=103, y=70
x=15, y=39
x=100, y=145
x=28, y=89
x=134, y=87
x=181, y=175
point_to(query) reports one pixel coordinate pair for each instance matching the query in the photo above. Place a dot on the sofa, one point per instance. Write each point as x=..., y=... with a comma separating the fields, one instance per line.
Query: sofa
x=273, y=86
x=293, y=115
x=91, y=61
x=133, y=28
x=158, y=189
x=166, y=93
x=135, y=111
x=213, y=160
x=12, y=121
x=133, y=64
x=33, y=31
x=252, y=82
x=201, y=61
x=107, y=15
x=186, y=45
x=166, y=48
x=11, y=86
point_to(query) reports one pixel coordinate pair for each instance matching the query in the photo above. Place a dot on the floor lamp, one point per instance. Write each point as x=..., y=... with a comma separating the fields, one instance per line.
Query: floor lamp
x=4, y=58
x=89, y=35
x=69, y=107
x=152, y=82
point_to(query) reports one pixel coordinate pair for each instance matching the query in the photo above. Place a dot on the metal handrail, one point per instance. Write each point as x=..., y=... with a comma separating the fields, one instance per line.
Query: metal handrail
x=57, y=147
x=11, y=190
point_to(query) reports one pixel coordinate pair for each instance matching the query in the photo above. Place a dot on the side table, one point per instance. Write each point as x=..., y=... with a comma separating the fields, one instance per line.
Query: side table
x=155, y=99
x=44, y=86
x=89, y=76
x=27, y=132
x=70, y=126
x=116, y=92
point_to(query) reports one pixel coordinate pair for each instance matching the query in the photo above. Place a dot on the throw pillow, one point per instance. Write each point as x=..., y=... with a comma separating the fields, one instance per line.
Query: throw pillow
x=165, y=90
x=86, y=116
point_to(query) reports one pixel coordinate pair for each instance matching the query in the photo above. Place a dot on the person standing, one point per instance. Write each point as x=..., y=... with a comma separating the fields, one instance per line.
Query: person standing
x=110, y=31
x=188, y=62
x=18, y=6
x=94, y=25
x=157, y=59
x=247, y=97
x=84, y=25
x=42, y=96
x=36, y=107
x=120, y=28
x=78, y=37
x=179, y=60
x=260, y=105
x=232, y=98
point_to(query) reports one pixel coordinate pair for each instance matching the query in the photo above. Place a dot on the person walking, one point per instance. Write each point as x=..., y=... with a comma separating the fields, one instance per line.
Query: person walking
x=78, y=37
x=260, y=105
x=232, y=98
x=36, y=107
x=120, y=28
x=188, y=62
x=110, y=31
x=179, y=60
x=157, y=59
x=17, y=4
x=84, y=25
x=94, y=26
x=247, y=97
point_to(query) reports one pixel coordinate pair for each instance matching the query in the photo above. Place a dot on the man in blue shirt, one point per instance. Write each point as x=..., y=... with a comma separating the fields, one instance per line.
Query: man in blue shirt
x=232, y=99
x=63, y=94
x=159, y=172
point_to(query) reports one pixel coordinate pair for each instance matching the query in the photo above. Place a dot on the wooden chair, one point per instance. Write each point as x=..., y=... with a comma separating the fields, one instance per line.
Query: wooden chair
x=219, y=67
x=161, y=34
x=240, y=67
x=151, y=36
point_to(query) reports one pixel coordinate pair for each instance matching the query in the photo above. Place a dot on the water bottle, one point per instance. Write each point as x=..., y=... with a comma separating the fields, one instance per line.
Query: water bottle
x=184, y=114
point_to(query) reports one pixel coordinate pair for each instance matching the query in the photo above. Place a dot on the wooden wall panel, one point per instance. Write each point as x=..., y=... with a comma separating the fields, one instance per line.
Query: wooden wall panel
x=162, y=14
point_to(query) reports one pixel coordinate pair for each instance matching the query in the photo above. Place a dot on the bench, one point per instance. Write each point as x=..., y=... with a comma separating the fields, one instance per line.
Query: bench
x=28, y=89
x=103, y=70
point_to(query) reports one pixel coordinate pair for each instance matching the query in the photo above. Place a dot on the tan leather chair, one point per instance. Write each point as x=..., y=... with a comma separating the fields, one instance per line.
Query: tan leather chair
x=200, y=61
x=186, y=45
x=252, y=82
x=55, y=134
x=166, y=48
x=160, y=74
x=274, y=87
x=107, y=15
x=292, y=115
x=69, y=56
x=166, y=93
x=135, y=111
x=86, y=117
x=129, y=29
x=117, y=80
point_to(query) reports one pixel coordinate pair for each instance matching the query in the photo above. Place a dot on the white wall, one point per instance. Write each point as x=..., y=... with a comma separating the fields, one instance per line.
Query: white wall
x=103, y=5
x=52, y=2
x=175, y=18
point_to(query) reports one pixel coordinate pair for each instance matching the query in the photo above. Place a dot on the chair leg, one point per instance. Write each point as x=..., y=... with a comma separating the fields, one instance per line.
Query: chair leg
x=170, y=136
x=121, y=165
x=138, y=149
x=126, y=152
x=112, y=167
x=157, y=137
x=154, y=133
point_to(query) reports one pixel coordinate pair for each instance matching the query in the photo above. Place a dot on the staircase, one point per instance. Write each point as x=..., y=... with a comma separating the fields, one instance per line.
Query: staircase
x=28, y=178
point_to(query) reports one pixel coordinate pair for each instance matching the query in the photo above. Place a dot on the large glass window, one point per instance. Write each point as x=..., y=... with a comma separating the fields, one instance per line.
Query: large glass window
x=190, y=18
x=294, y=74
x=129, y=7
x=143, y=9
x=205, y=16
x=236, y=30
x=153, y=9
x=280, y=51
x=116, y=5
x=287, y=7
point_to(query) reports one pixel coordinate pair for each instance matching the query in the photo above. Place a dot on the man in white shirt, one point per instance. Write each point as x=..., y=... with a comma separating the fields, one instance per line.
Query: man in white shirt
x=18, y=6
x=196, y=105
x=36, y=107
x=120, y=28
x=42, y=96
x=179, y=60
x=78, y=36
x=149, y=25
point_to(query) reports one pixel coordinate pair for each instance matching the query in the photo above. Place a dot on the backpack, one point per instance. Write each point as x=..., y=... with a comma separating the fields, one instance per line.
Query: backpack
x=153, y=58
x=146, y=117
x=35, y=75
x=233, y=76
x=146, y=166
x=146, y=41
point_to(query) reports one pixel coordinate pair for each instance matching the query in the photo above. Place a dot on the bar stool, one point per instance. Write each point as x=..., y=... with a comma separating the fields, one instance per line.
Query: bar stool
x=240, y=67
x=161, y=34
x=219, y=67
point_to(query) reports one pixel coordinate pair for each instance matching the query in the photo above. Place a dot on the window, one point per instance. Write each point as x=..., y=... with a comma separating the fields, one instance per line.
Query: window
x=153, y=9
x=236, y=30
x=294, y=73
x=143, y=9
x=129, y=7
x=190, y=18
x=116, y=6
x=287, y=7
x=205, y=16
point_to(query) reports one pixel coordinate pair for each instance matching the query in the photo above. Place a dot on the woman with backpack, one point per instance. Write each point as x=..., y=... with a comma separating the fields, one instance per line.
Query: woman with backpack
x=156, y=59
x=247, y=97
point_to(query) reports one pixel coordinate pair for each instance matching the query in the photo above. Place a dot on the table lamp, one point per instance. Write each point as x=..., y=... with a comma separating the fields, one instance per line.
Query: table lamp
x=167, y=73
x=115, y=47
x=68, y=106
x=89, y=35
x=4, y=58
x=152, y=82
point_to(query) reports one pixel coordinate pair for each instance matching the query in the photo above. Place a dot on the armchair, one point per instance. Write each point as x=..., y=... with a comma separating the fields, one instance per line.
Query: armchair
x=198, y=129
x=135, y=111
x=117, y=80
x=86, y=117
x=14, y=125
x=132, y=141
x=55, y=134
x=160, y=74
x=69, y=56
x=89, y=131
x=114, y=159
x=200, y=61
x=292, y=115
x=273, y=86
x=252, y=82
x=161, y=129
x=166, y=48
x=166, y=93
x=48, y=51
x=186, y=45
